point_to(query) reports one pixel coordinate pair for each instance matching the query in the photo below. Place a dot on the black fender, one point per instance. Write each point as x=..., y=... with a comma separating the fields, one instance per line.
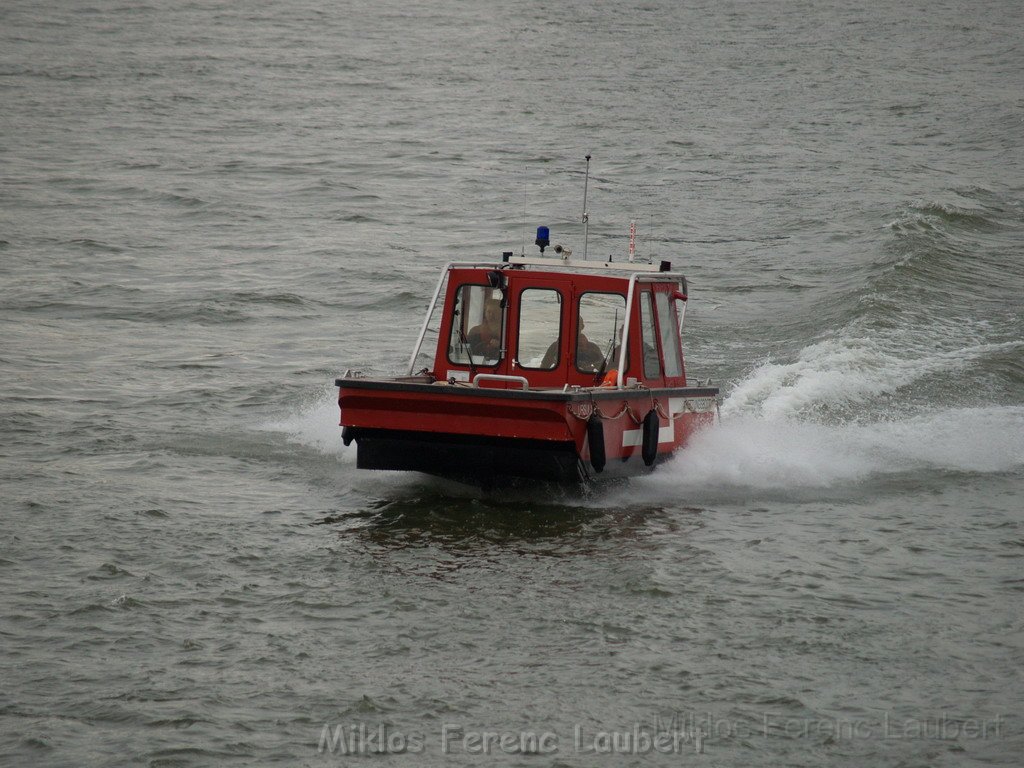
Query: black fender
x=595, y=441
x=649, y=446
x=347, y=435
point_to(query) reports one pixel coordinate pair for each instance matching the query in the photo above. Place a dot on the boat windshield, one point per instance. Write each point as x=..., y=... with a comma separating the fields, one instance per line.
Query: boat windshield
x=540, y=328
x=598, y=342
x=477, y=326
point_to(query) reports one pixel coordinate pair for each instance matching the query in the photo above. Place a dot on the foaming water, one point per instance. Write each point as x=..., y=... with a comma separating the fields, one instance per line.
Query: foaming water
x=314, y=425
x=849, y=375
x=775, y=450
x=840, y=415
x=748, y=454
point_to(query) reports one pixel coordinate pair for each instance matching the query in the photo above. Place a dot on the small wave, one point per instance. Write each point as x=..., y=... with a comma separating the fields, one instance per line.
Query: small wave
x=1007, y=362
x=930, y=216
x=357, y=218
x=170, y=313
x=254, y=297
x=179, y=199
x=96, y=246
x=382, y=298
x=124, y=602
x=115, y=302
x=61, y=75
x=109, y=571
x=153, y=512
x=905, y=109
x=956, y=238
x=837, y=375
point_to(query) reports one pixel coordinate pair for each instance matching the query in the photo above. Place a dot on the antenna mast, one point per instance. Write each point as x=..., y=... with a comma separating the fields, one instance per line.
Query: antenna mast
x=523, y=252
x=586, y=216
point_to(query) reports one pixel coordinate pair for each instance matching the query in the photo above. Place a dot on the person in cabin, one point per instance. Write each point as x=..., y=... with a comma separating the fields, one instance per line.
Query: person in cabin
x=485, y=339
x=589, y=356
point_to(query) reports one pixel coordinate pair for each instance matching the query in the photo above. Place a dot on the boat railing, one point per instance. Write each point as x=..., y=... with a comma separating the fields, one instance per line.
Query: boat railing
x=635, y=278
x=433, y=303
x=500, y=377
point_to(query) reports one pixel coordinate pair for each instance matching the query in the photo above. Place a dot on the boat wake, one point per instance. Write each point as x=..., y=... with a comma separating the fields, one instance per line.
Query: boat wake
x=858, y=378
x=899, y=389
x=753, y=453
x=852, y=411
x=770, y=450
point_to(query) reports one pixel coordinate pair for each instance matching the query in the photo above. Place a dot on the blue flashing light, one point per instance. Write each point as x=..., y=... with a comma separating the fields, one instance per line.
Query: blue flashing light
x=543, y=239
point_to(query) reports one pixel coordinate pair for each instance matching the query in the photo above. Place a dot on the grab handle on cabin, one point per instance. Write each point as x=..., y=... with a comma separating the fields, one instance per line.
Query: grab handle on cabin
x=499, y=377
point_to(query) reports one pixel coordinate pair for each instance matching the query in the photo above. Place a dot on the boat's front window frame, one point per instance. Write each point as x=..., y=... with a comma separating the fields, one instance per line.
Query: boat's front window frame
x=467, y=316
x=609, y=349
x=649, y=336
x=549, y=352
x=668, y=328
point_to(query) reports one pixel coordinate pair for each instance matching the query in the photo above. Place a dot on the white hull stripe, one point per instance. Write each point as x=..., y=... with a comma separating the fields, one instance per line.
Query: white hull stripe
x=679, y=405
x=635, y=437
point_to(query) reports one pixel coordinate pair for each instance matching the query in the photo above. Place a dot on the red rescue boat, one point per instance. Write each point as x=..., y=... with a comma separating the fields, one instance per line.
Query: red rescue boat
x=544, y=369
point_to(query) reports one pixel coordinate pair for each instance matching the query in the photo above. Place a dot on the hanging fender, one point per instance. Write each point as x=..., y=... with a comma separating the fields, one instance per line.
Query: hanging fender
x=649, y=446
x=595, y=441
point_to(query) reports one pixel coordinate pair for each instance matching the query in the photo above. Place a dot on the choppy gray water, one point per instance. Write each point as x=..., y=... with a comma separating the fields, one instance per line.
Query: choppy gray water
x=206, y=212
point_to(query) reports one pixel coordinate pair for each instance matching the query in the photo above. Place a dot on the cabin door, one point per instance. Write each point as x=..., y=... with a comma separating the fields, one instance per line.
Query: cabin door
x=539, y=328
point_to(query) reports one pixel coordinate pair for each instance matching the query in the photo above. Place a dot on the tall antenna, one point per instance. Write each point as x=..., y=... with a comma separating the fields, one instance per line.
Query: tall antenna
x=650, y=228
x=586, y=216
x=523, y=252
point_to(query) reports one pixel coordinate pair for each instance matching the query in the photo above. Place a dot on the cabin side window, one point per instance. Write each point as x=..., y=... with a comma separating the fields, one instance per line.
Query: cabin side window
x=669, y=336
x=599, y=333
x=540, y=329
x=477, y=326
x=652, y=367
